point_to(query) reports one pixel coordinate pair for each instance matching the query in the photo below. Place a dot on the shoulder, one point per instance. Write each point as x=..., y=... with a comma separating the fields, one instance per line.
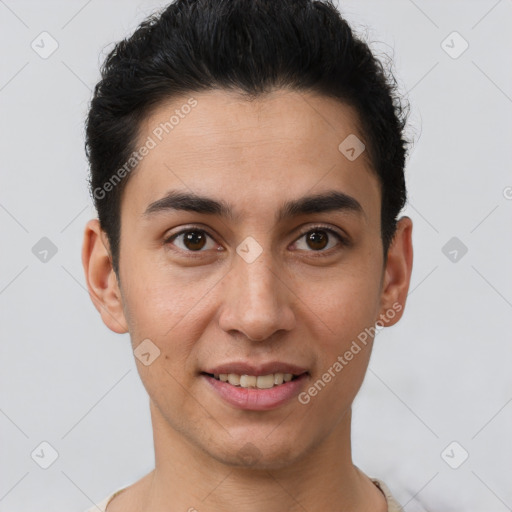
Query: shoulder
x=102, y=505
x=393, y=505
x=130, y=496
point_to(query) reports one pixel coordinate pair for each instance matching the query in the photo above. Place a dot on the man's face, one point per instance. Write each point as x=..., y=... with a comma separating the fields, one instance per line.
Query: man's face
x=257, y=292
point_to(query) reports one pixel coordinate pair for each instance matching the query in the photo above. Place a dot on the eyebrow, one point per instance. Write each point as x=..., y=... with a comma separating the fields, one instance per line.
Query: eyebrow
x=330, y=201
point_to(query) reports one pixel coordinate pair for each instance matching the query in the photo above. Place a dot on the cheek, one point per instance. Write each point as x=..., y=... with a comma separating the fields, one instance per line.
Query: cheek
x=172, y=309
x=346, y=303
x=344, y=312
x=160, y=299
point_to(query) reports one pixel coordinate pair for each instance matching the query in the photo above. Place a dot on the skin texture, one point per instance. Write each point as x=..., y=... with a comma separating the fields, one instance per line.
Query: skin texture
x=290, y=305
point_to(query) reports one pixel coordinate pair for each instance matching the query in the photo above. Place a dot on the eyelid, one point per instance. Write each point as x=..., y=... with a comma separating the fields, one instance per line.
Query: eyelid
x=193, y=227
x=343, y=239
x=325, y=227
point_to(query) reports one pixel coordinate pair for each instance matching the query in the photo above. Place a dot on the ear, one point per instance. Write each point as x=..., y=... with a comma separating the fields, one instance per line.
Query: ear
x=397, y=274
x=101, y=279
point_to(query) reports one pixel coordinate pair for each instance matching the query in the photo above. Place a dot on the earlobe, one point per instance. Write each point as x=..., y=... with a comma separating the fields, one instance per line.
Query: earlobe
x=397, y=273
x=101, y=278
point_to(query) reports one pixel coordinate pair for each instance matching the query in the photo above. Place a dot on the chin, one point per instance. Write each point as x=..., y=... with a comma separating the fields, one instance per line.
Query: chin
x=256, y=454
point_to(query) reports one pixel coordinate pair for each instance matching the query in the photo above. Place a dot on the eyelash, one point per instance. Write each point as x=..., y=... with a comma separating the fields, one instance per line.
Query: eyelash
x=193, y=254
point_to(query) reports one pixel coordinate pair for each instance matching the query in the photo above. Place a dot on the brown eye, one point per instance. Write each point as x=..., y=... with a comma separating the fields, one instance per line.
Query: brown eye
x=192, y=240
x=319, y=239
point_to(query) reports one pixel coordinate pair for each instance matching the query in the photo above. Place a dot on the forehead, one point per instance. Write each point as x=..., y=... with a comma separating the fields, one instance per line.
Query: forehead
x=257, y=152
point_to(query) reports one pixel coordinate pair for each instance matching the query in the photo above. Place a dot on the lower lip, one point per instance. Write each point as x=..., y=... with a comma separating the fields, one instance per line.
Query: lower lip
x=254, y=399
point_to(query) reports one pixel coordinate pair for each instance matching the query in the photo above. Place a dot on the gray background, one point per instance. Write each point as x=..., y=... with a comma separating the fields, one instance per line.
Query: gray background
x=442, y=374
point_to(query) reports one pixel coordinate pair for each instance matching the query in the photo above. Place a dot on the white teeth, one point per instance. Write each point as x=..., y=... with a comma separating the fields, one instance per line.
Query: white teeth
x=278, y=378
x=251, y=381
x=248, y=381
x=265, y=381
x=234, y=379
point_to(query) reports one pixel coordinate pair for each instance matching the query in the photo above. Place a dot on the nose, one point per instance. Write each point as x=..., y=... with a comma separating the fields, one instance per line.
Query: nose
x=256, y=302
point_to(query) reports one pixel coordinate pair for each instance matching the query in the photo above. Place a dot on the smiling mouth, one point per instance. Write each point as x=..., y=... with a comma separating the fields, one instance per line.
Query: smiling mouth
x=252, y=381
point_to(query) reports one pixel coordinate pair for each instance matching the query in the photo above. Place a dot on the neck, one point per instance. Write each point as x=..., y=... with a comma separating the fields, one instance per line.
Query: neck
x=191, y=480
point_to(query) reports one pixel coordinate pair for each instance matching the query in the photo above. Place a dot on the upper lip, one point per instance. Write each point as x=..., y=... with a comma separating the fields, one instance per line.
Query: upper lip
x=243, y=368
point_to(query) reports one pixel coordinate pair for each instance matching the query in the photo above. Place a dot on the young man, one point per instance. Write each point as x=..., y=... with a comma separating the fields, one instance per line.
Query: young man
x=247, y=165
